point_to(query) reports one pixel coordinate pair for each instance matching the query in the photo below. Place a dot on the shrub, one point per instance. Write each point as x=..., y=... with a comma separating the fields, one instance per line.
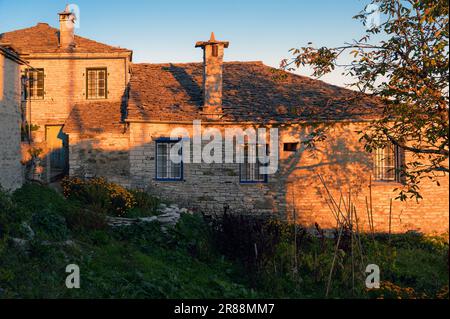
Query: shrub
x=49, y=225
x=6, y=207
x=192, y=233
x=85, y=219
x=99, y=194
x=34, y=197
x=11, y=215
x=144, y=203
x=389, y=290
x=249, y=238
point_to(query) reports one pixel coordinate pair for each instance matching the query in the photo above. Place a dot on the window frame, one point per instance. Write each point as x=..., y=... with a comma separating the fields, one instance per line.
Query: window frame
x=266, y=176
x=168, y=140
x=106, y=83
x=28, y=96
x=386, y=170
x=286, y=149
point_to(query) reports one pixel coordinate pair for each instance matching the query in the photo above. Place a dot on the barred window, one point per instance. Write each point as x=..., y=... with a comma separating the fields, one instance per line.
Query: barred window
x=387, y=162
x=249, y=171
x=166, y=168
x=96, y=84
x=35, y=87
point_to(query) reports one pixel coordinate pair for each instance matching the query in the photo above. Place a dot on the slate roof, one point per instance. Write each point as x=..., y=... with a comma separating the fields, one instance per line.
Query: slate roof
x=95, y=117
x=43, y=38
x=252, y=92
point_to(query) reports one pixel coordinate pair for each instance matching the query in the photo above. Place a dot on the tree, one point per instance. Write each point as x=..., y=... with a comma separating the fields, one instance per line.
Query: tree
x=409, y=71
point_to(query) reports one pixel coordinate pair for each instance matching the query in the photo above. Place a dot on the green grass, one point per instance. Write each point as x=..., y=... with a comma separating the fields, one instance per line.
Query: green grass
x=131, y=262
x=141, y=261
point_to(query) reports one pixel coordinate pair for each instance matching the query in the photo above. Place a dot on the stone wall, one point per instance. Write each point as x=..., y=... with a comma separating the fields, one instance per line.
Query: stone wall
x=11, y=175
x=104, y=155
x=296, y=187
x=65, y=85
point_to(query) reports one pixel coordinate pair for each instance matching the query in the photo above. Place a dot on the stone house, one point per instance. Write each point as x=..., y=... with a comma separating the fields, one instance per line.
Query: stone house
x=10, y=155
x=122, y=120
x=67, y=70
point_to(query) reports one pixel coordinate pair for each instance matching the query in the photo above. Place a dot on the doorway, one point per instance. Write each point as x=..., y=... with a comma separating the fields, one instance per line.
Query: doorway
x=58, y=145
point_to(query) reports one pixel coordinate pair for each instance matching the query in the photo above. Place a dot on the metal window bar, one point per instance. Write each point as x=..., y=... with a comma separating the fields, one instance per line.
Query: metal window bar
x=166, y=168
x=250, y=168
x=385, y=164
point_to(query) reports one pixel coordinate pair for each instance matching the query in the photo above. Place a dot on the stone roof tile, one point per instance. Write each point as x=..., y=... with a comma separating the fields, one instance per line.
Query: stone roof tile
x=43, y=38
x=95, y=117
x=252, y=92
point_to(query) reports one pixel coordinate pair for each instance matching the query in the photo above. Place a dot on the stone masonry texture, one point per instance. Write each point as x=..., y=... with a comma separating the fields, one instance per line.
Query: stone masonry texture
x=10, y=155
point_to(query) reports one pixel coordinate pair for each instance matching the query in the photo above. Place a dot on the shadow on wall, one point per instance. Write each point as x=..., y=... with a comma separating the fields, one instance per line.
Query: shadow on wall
x=296, y=189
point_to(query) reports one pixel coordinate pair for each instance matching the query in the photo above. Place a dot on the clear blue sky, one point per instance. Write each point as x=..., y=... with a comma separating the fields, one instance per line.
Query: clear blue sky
x=165, y=31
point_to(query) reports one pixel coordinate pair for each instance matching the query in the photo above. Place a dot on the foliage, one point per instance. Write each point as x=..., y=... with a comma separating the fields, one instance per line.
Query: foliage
x=99, y=194
x=144, y=204
x=192, y=234
x=200, y=257
x=253, y=239
x=85, y=219
x=289, y=262
x=49, y=225
x=388, y=290
x=34, y=197
x=26, y=131
x=139, y=261
x=6, y=208
x=409, y=71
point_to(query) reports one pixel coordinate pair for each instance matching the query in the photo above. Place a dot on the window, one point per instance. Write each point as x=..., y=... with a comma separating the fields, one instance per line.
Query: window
x=249, y=170
x=35, y=87
x=387, y=162
x=96, y=87
x=290, y=147
x=166, y=168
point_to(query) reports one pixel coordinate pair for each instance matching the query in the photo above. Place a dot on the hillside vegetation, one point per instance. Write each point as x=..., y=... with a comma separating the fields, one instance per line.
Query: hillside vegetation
x=237, y=256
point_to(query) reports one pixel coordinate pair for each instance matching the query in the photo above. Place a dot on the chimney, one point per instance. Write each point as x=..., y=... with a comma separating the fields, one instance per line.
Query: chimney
x=212, y=75
x=66, y=29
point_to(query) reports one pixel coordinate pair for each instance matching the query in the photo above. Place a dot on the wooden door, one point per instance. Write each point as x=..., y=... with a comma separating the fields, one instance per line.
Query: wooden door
x=57, y=143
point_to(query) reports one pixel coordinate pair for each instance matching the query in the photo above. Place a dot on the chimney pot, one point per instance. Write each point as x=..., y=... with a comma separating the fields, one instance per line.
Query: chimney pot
x=66, y=28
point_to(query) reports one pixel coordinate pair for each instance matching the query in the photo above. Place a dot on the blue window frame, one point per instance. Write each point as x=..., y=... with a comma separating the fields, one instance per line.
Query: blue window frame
x=249, y=173
x=166, y=169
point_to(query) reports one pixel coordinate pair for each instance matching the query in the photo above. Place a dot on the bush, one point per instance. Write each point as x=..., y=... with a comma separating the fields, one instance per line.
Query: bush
x=192, y=233
x=85, y=219
x=99, y=194
x=144, y=204
x=248, y=238
x=389, y=290
x=49, y=225
x=11, y=215
x=34, y=197
x=6, y=206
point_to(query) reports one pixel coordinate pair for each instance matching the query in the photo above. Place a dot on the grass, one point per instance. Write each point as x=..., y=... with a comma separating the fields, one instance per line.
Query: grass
x=131, y=262
x=194, y=259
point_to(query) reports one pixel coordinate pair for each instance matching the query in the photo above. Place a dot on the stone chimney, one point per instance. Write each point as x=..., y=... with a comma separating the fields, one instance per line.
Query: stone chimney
x=66, y=29
x=212, y=75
